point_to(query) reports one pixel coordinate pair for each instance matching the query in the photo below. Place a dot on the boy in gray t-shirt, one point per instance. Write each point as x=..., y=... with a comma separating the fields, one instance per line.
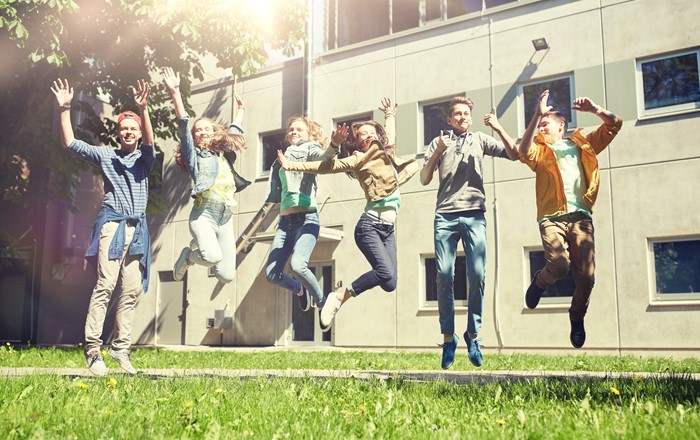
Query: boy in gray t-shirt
x=459, y=214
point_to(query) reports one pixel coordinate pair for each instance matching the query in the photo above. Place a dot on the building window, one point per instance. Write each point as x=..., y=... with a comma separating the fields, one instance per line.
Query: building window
x=271, y=142
x=460, y=283
x=668, y=84
x=676, y=269
x=560, y=97
x=563, y=288
x=434, y=119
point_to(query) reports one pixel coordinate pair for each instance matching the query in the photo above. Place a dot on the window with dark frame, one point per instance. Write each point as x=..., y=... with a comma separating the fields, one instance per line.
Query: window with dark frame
x=272, y=142
x=677, y=267
x=562, y=288
x=460, y=282
x=435, y=119
x=560, y=97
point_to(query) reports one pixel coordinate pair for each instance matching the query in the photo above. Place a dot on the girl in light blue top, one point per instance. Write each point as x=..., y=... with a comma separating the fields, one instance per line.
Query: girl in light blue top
x=208, y=153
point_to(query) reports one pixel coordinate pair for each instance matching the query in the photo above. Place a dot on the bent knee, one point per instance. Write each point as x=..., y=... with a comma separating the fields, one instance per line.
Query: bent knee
x=559, y=268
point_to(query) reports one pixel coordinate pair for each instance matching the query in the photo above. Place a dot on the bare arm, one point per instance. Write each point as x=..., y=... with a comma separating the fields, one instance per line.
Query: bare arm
x=240, y=110
x=141, y=99
x=172, y=83
x=426, y=173
x=333, y=166
x=389, y=109
x=491, y=120
x=64, y=96
x=529, y=135
x=587, y=105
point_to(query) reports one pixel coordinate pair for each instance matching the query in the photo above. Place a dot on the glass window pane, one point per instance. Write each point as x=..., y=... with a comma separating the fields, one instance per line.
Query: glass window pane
x=559, y=97
x=493, y=3
x=562, y=288
x=362, y=20
x=432, y=10
x=456, y=8
x=435, y=119
x=405, y=14
x=271, y=143
x=671, y=81
x=460, y=282
x=677, y=266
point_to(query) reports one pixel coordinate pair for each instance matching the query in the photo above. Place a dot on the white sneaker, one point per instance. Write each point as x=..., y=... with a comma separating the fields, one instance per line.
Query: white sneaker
x=95, y=363
x=181, y=264
x=123, y=358
x=330, y=309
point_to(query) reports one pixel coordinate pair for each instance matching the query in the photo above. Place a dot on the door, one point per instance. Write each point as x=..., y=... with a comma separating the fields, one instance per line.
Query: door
x=172, y=307
x=305, y=326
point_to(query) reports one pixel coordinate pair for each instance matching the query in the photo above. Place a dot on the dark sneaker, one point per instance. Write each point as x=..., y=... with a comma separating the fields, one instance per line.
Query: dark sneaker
x=578, y=334
x=95, y=363
x=123, y=358
x=534, y=293
x=474, y=351
x=304, y=299
x=181, y=264
x=448, y=352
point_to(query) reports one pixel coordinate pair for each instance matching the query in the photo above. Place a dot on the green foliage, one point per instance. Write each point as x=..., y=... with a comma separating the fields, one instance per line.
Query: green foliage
x=103, y=47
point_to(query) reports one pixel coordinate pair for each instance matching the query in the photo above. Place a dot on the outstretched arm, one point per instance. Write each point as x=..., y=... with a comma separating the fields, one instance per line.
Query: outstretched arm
x=529, y=135
x=141, y=98
x=172, y=83
x=585, y=104
x=240, y=110
x=64, y=97
x=426, y=173
x=491, y=120
x=333, y=166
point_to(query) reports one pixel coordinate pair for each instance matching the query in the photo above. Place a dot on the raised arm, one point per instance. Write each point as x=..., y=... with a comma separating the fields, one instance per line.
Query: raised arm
x=389, y=109
x=64, y=97
x=172, y=83
x=141, y=98
x=529, y=135
x=333, y=166
x=585, y=104
x=240, y=110
x=491, y=120
x=440, y=145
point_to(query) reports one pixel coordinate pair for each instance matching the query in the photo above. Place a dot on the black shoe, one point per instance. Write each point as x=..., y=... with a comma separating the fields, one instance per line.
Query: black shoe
x=304, y=299
x=534, y=293
x=578, y=334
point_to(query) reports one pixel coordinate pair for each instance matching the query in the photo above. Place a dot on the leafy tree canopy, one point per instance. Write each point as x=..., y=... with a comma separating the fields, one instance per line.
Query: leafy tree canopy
x=103, y=47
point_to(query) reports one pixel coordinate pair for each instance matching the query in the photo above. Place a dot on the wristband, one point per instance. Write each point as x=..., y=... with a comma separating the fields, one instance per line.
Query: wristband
x=64, y=106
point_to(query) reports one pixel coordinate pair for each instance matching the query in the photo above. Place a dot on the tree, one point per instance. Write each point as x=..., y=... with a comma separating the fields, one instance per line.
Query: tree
x=103, y=47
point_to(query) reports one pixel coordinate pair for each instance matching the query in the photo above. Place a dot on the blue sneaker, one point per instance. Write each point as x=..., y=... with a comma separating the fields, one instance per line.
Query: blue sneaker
x=448, y=352
x=474, y=351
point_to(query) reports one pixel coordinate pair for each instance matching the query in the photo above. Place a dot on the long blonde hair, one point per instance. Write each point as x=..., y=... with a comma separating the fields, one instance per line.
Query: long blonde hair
x=221, y=141
x=314, y=128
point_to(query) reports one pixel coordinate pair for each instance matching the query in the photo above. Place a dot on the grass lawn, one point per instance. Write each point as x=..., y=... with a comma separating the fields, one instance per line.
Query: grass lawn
x=664, y=406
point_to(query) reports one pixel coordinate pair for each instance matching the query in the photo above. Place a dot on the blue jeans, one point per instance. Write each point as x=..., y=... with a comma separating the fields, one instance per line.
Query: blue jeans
x=296, y=237
x=211, y=225
x=470, y=227
x=377, y=243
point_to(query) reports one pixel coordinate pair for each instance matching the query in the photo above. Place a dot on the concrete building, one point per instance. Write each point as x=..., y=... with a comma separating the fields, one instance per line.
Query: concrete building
x=501, y=54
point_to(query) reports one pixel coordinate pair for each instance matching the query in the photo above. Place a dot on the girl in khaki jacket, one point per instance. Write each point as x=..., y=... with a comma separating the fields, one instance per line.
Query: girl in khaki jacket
x=372, y=161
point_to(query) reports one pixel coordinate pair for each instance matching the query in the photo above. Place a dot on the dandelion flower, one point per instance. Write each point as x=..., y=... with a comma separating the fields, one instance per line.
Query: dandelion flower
x=501, y=422
x=83, y=386
x=189, y=404
x=219, y=390
x=112, y=383
x=486, y=418
x=615, y=391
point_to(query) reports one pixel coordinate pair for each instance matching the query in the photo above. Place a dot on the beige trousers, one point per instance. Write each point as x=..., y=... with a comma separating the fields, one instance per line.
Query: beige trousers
x=127, y=272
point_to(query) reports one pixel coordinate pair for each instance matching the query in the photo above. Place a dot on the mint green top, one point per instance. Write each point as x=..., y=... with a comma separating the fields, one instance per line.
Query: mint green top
x=569, y=162
x=391, y=202
x=293, y=199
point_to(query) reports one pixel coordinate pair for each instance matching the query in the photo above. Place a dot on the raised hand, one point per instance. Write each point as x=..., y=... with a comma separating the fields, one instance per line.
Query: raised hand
x=63, y=92
x=388, y=107
x=542, y=106
x=584, y=104
x=339, y=135
x=239, y=101
x=444, y=141
x=171, y=79
x=491, y=120
x=141, y=95
x=281, y=159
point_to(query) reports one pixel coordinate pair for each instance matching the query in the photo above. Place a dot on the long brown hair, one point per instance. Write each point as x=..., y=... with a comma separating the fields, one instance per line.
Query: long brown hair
x=220, y=141
x=353, y=142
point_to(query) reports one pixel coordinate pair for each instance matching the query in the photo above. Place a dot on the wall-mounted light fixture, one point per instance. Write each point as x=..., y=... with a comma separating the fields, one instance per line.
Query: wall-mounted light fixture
x=540, y=44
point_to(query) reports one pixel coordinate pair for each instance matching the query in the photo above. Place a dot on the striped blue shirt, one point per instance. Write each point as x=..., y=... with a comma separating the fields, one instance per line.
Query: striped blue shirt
x=125, y=175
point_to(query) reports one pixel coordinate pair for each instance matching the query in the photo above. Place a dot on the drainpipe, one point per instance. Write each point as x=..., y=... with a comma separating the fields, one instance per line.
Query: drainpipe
x=308, y=59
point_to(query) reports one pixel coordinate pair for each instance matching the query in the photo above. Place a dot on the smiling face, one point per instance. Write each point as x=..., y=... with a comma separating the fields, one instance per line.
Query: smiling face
x=297, y=130
x=365, y=135
x=460, y=118
x=202, y=130
x=129, y=133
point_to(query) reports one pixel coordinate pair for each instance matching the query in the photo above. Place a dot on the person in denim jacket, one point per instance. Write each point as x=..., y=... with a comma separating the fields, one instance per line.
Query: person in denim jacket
x=208, y=153
x=298, y=228
x=119, y=246
x=372, y=161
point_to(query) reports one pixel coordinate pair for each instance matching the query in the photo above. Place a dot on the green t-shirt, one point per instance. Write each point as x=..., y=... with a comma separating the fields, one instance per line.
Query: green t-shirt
x=293, y=199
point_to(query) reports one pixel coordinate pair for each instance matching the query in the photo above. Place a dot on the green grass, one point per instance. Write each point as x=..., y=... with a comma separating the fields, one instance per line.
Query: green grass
x=667, y=405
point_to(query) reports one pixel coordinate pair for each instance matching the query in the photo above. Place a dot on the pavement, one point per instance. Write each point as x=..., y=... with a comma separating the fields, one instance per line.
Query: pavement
x=458, y=377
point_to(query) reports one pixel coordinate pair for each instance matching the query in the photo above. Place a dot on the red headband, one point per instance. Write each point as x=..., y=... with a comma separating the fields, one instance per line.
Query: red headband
x=129, y=115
